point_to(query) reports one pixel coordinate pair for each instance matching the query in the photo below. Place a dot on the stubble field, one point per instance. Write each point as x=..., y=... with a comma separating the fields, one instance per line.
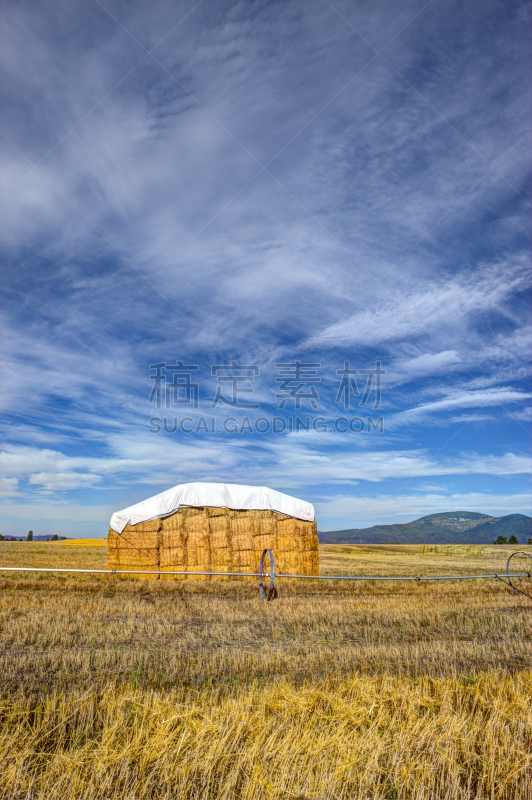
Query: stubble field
x=120, y=688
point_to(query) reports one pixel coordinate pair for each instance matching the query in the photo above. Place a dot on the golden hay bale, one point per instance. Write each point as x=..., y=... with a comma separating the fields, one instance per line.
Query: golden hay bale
x=241, y=534
x=287, y=525
x=221, y=541
x=307, y=542
x=174, y=538
x=222, y=561
x=219, y=523
x=197, y=523
x=267, y=525
x=191, y=512
x=172, y=523
x=131, y=537
x=308, y=563
x=223, y=557
x=241, y=541
x=170, y=557
x=216, y=512
x=240, y=523
x=253, y=513
x=220, y=532
x=244, y=561
x=135, y=559
x=173, y=559
x=284, y=542
x=201, y=568
x=143, y=557
x=302, y=529
x=197, y=554
x=288, y=562
x=143, y=527
x=264, y=542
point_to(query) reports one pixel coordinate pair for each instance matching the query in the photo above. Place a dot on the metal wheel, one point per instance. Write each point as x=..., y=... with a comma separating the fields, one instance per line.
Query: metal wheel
x=271, y=592
x=520, y=565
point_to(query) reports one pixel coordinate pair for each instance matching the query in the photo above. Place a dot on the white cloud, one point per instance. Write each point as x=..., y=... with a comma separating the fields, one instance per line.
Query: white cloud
x=523, y=415
x=53, y=511
x=478, y=399
x=297, y=463
x=472, y=418
x=364, y=511
x=473, y=400
x=285, y=461
x=9, y=487
x=431, y=487
x=427, y=364
x=437, y=306
x=62, y=481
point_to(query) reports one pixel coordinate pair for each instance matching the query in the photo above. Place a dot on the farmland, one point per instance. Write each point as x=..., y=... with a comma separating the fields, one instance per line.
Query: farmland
x=120, y=688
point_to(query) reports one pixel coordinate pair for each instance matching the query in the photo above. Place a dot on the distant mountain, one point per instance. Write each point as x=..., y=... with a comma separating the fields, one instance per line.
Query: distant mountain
x=450, y=527
x=42, y=538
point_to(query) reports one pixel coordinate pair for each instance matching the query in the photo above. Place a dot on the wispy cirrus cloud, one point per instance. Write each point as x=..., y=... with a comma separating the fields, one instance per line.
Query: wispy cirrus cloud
x=481, y=399
x=401, y=508
x=265, y=188
x=438, y=308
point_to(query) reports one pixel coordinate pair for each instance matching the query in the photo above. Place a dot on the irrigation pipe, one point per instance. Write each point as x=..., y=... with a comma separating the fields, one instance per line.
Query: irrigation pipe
x=271, y=593
x=127, y=571
x=277, y=574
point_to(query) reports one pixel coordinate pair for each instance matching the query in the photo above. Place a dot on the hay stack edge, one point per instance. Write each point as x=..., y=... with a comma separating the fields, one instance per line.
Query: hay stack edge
x=214, y=527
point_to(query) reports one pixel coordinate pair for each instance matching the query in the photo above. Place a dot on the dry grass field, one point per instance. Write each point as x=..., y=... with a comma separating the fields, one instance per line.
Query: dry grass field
x=85, y=542
x=123, y=688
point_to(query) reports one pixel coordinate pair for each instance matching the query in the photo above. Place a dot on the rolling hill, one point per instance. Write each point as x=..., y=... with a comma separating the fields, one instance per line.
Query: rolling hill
x=450, y=527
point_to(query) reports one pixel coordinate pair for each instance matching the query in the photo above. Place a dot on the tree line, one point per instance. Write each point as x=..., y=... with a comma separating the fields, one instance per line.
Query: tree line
x=511, y=540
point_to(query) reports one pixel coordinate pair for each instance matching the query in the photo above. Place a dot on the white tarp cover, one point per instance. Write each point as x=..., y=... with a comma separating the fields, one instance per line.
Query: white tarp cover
x=218, y=495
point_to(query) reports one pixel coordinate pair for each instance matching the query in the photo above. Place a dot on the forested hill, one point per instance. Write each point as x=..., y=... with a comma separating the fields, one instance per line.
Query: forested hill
x=451, y=527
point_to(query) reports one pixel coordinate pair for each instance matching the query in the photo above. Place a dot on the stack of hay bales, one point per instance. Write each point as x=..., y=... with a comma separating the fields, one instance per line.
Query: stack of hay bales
x=216, y=539
x=137, y=548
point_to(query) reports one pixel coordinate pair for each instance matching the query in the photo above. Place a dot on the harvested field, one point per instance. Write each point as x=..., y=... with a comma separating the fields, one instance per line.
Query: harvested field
x=86, y=542
x=115, y=688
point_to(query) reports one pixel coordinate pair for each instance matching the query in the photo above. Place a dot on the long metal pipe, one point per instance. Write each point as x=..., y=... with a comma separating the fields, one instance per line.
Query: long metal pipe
x=400, y=578
x=265, y=574
x=127, y=571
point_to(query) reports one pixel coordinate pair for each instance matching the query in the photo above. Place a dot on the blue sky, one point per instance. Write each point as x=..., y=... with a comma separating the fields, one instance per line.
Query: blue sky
x=265, y=183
